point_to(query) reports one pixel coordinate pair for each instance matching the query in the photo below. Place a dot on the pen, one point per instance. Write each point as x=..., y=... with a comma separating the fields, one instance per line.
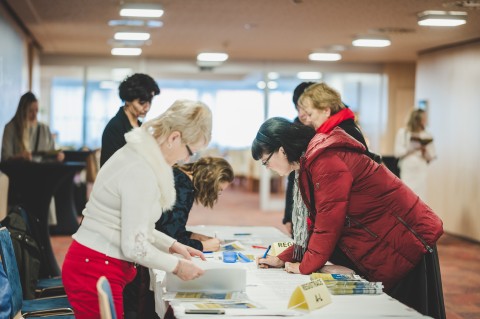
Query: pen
x=259, y=247
x=242, y=234
x=266, y=251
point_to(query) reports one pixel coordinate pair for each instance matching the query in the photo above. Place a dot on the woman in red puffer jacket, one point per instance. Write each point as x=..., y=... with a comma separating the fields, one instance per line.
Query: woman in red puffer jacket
x=360, y=215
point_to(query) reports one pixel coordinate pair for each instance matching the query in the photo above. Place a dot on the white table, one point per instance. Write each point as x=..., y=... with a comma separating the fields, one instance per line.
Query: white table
x=272, y=287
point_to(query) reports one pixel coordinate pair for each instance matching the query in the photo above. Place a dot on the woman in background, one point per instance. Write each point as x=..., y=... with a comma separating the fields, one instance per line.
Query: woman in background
x=414, y=149
x=137, y=92
x=24, y=135
x=128, y=197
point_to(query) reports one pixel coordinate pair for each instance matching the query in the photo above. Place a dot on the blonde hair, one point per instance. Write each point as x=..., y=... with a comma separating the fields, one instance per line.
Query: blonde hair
x=207, y=175
x=193, y=119
x=322, y=97
x=414, y=123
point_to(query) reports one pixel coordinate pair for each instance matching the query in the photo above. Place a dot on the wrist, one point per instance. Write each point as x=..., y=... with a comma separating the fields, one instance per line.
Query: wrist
x=177, y=268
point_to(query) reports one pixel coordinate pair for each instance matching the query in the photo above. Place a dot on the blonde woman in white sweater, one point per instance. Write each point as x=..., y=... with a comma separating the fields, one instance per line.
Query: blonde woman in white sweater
x=131, y=190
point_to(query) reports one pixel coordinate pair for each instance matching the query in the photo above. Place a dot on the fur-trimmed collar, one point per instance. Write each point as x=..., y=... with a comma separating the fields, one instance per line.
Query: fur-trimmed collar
x=147, y=147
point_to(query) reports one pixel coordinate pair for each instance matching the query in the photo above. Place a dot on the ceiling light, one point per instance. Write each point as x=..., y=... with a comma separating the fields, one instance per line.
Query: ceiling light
x=375, y=41
x=126, y=51
x=134, y=36
x=144, y=10
x=261, y=85
x=212, y=57
x=324, y=56
x=442, y=18
x=273, y=75
x=309, y=75
x=272, y=85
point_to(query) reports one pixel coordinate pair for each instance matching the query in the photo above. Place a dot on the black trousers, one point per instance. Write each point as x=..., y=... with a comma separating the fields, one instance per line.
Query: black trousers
x=421, y=289
x=138, y=299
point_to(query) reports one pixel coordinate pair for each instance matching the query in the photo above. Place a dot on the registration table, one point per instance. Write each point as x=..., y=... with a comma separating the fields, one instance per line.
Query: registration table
x=271, y=288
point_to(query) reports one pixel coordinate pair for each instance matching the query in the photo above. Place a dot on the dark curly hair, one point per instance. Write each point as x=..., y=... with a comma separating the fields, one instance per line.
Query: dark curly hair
x=138, y=86
x=208, y=173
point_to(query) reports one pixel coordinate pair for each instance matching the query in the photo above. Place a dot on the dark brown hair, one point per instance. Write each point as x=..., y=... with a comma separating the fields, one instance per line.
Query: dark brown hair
x=20, y=118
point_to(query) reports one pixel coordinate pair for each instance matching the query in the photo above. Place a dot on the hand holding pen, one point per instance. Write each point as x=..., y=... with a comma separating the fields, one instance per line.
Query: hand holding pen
x=267, y=261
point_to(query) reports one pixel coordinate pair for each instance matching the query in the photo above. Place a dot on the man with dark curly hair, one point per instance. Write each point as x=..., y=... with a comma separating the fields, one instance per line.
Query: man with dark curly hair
x=137, y=92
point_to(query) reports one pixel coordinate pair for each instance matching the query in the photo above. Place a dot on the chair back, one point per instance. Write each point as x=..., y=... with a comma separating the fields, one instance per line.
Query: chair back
x=105, y=299
x=4, y=182
x=11, y=269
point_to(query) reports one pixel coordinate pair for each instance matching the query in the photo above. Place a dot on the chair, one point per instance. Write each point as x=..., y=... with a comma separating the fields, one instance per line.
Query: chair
x=50, y=307
x=105, y=299
x=3, y=195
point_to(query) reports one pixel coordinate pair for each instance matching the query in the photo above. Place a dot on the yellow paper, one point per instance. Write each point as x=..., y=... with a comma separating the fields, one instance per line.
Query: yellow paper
x=310, y=296
x=278, y=247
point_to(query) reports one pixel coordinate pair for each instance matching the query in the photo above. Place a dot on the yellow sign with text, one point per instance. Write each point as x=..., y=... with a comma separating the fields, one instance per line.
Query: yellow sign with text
x=279, y=247
x=310, y=296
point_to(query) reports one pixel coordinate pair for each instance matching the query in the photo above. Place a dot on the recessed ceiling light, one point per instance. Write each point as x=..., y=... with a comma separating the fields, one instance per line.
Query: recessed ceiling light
x=126, y=51
x=324, y=56
x=371, y=41
x=144, y=10
x=273, y=75
x=135, y=23
x=212, y=57
x=309, y=75
x=134, y=36
x=442, y=18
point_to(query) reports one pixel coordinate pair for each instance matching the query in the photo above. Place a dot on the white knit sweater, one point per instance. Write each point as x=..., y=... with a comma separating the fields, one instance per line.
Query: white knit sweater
x=131, y=190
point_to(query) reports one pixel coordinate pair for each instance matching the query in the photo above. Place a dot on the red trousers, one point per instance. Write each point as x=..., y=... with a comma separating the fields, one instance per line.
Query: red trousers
x=80, y=272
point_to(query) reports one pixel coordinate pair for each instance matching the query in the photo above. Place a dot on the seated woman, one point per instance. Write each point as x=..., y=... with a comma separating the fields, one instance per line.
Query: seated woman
x=201, y=182
x=356, y=214
x=24, y=135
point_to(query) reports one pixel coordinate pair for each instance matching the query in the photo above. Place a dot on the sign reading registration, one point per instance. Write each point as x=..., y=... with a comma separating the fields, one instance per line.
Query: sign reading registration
x=310, y=296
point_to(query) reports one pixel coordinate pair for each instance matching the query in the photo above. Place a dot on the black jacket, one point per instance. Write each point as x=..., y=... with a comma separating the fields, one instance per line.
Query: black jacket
x=113, y=135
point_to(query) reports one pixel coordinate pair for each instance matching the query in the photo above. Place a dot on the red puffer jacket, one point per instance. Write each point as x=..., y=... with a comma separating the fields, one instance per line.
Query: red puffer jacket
x=375, y=219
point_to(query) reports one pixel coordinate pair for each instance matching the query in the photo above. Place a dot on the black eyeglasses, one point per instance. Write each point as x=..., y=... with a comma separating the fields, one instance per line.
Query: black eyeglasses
x=190, y=153
x=265, y=163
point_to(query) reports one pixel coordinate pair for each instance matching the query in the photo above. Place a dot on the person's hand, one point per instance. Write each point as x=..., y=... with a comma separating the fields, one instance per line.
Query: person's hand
x=293, y=268
x=26, y=155
x=289, y=227
x=187, y=270
x=186, y=251
x=199, y=237
x=270, y=262
x=212, y=244
x=60, y=156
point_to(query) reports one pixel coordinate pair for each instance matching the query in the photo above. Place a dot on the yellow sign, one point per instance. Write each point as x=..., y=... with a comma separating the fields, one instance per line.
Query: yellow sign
x=278, y=247
x=310, y=296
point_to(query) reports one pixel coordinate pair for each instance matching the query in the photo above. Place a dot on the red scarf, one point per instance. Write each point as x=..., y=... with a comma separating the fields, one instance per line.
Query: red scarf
x=334, y=120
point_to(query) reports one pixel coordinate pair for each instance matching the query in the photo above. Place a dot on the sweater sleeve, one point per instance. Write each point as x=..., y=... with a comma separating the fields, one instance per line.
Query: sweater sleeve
x=140, y=241
x=332, y=183
x=8, y=142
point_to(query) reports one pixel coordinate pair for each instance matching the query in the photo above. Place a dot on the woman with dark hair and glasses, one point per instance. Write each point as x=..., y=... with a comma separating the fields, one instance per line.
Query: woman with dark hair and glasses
x=357, y=214
x=137, y=92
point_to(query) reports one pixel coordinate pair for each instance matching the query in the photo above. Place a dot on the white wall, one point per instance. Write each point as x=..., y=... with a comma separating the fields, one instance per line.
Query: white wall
x=449, y=80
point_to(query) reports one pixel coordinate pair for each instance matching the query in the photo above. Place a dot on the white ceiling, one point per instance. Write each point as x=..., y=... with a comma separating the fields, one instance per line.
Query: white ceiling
x=250, y=30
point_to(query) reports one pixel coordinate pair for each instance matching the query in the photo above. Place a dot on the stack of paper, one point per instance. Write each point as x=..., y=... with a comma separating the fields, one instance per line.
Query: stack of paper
x=342, y=284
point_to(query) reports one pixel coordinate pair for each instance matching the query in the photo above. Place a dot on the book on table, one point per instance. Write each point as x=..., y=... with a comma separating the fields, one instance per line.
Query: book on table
x=348, y=284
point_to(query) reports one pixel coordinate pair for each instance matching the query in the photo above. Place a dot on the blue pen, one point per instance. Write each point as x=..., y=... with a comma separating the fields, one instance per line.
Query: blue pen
x=266, y=251
x=242, y=234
